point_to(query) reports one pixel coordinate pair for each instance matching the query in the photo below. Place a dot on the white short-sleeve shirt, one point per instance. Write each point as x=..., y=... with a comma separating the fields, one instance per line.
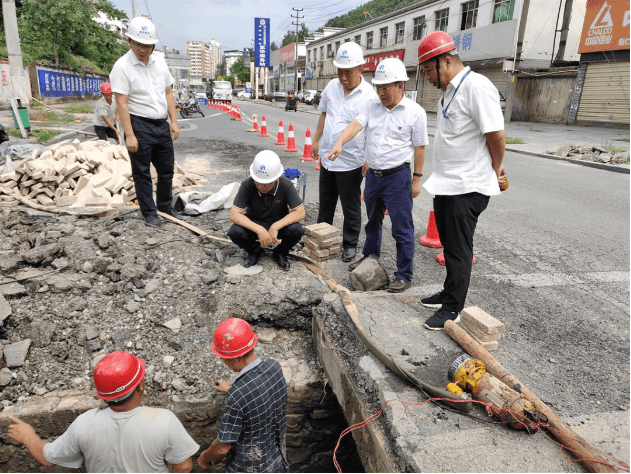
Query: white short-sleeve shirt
x=140, y=440
x=462, y=160
x=391, y=135
x=143, y=85
x=103, y=108
x=340, y=111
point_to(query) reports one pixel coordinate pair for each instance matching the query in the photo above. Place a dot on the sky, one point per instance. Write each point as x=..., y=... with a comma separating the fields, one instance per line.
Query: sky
x=231, y=22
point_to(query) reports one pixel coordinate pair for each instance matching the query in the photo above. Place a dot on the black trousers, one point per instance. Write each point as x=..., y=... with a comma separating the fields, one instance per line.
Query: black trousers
x=247, y=240
x=154, y=146
x=456, y=218
x=347, y=186
x=104, y=132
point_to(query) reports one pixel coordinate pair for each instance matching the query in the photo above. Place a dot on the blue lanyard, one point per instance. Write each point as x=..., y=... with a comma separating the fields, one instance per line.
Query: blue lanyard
x=442, y=100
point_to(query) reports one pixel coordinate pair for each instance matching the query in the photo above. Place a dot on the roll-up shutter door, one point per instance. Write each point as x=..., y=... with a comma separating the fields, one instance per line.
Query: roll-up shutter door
x=496, y=76
x=605, y=96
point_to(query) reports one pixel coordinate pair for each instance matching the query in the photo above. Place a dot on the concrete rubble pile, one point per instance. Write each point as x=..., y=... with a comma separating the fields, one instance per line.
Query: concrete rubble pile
x=591, y=153
x=91, y=173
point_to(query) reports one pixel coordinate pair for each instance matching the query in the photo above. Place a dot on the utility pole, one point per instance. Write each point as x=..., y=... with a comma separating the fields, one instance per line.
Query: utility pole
x=133, y=9
x=20, y=84
x=518, y=50
x=565, y=28
x=297, y=23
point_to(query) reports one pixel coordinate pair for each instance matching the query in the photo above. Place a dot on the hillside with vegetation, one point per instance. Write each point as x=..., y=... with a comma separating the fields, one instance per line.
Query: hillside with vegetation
x=64, y=32
x=368, y=10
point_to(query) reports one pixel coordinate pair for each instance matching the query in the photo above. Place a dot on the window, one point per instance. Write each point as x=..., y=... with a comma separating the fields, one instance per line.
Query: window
x=503, y=10
x=358, y=39
x=337, y=46
x=329, y=53
x=369, y=40
x=419, y=28
x=321, y=53
x=442, y=19
x=383, y=37
x=469, y=14
x=309, y=56
x=399, y=32
x=347, y=40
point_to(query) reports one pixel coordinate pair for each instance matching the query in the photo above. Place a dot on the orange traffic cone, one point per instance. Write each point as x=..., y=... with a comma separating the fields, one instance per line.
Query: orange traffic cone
x=238, y=112
x=280, y=139
x=317, y=168
x=255, y=125
x=431, y=239
x=263, y=128
x=440, y=258
x=306, y=154
x=291, y=141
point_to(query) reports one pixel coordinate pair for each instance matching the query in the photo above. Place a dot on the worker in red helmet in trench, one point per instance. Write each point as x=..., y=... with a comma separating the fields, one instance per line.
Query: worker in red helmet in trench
x=468, y=152
x=106, y=115
x=125, y=437
x=253, y=425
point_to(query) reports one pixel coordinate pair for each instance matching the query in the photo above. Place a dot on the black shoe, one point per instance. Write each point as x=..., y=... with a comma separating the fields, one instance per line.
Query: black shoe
x=357, y=263
x=172, y=212
x=153, y=221
x=348, y=254
x=440, y=317
x=398, y=286
x=253, y=258
x=434, y=301
x=281, y=261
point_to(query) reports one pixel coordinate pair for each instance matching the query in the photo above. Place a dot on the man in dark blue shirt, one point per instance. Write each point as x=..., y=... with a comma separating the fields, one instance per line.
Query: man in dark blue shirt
x=266, y=211
x=253, y=425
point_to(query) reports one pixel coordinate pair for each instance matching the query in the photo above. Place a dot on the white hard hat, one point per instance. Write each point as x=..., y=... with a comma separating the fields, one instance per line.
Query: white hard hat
x=142, y=30
x=349, y=55
x=266, y=167
x=390, y=70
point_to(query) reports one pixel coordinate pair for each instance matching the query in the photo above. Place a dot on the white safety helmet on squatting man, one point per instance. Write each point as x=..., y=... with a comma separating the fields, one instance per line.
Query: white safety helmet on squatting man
x=142, y=30
x=349, y=55
x=266, y=167
x=390, y=70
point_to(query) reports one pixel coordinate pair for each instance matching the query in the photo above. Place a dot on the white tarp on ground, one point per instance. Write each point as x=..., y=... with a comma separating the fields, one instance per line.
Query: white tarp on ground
x=192, y=203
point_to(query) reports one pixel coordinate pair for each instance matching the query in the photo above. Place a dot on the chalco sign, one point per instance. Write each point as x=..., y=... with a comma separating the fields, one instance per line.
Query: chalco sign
x=606, y=26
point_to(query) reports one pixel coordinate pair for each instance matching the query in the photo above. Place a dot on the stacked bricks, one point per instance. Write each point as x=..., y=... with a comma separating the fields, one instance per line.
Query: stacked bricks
x=322, y=241
x=483, y=327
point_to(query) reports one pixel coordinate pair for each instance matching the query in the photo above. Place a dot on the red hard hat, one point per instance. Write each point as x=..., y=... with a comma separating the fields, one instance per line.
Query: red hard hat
x=435, y=44
x=118, y=374
x=106, y=88
x=233, y=338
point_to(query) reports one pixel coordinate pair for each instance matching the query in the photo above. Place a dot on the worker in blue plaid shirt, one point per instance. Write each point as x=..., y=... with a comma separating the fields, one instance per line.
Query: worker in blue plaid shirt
x=252, y=428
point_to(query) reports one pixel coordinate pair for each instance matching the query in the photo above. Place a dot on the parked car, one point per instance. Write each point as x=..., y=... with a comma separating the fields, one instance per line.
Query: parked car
x=502, y=102
x=244, y=95
x=235, y=92
x=276, y=96
x=307, y=96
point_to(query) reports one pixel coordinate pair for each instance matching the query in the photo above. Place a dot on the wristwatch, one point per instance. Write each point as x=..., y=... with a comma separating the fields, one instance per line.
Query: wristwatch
x=417, y=174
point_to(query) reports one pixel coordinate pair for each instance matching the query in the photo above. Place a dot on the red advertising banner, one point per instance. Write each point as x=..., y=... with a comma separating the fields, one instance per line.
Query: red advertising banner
x=606, y=26
x=373, y=60
x=287, y=53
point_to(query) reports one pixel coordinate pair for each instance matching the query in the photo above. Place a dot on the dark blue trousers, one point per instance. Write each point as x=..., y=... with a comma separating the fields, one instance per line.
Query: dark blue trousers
x=394, y=193
x=456, y=219
x=154, y=146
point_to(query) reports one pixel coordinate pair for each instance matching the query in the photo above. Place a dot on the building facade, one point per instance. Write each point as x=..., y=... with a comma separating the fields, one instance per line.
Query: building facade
x=205, y=59
x=231, y=57
x=485, y=33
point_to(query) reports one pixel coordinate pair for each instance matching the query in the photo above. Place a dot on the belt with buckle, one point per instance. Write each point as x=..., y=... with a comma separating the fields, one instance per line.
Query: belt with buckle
x=384, y=173
x=156, y=122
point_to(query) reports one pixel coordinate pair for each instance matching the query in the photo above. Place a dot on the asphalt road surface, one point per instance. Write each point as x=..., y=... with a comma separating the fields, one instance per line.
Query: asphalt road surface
x=552, y=256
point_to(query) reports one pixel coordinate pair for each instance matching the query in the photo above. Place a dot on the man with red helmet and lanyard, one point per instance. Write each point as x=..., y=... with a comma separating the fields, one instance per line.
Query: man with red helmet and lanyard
x=253, y=425
x=105, y=115
x=468, y=153
x=125, y=437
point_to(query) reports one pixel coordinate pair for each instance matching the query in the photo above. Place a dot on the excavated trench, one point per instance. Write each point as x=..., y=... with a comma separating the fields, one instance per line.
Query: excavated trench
x=78, y=288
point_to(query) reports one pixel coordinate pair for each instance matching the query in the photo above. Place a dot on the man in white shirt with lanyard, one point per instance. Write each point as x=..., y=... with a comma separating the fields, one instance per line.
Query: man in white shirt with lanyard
x=142, y=84
x=396, y=135
x=341, y=100
x=468, y=153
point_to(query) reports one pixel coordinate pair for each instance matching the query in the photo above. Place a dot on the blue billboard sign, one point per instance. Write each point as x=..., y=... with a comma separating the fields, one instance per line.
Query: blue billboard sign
x=58, y=84
x=261, y=42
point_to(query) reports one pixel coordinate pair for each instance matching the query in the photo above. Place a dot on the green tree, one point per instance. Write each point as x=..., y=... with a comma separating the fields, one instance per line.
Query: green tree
x=65, y=31
x=273, y=46
x=240, y=70
x=290, y=37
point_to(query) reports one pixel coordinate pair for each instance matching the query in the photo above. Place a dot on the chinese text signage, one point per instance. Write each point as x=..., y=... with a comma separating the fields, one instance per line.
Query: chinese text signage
x=287, y=53
x=261, y=42
x=373, y=60
x=606, y=26
x=60, y=84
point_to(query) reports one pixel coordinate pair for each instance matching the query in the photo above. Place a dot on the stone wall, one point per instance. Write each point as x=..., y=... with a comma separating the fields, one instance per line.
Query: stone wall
x=314, y=422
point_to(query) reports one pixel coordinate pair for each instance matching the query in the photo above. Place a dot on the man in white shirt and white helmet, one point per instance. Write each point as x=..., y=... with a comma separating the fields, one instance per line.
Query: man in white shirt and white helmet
x=341, y=100
x=142, y=84
x=468, y=152
x=396, y=135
